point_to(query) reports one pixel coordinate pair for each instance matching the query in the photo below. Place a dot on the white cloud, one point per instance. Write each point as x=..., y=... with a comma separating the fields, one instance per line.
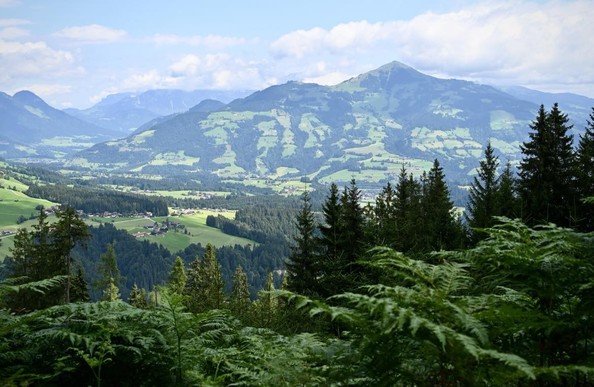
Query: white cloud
x=191, y=71
x=217, y=41
x=151, y=79
x=10, y=33
x=13, y=22
x=93, y=33
x=45, y=90
x=33, y=59
x=348, y=36
x=493, y=41
x=218, y=71
x=329, y=79
x=10, y=28
x=187, y=65
x=193, y=65
x=517, y=42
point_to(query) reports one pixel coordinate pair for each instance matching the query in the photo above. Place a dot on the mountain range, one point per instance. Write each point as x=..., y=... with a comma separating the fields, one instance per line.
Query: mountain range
x=124, y=112
x=367, y=128
x=30, y=128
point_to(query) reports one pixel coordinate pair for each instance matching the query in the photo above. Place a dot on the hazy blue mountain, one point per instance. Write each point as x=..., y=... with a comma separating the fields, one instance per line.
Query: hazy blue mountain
x=577, y=107
x=125, y=112
x=29, y=127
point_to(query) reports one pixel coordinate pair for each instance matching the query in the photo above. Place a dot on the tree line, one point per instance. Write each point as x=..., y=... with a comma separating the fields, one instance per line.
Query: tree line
x=140, y=262
x=94, y=200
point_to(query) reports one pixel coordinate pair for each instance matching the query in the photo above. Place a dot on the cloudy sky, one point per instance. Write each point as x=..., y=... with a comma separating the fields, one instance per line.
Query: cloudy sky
x=73, y=53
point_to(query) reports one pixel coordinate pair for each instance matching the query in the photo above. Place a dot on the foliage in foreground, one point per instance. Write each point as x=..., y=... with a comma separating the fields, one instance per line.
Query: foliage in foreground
x=516, y=309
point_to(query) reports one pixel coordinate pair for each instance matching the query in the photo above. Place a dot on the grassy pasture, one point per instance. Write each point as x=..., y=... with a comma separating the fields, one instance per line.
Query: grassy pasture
x=198, y=231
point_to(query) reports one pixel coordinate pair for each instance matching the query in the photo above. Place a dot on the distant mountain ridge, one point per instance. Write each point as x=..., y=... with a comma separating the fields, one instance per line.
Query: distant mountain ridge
x=577, y=107
x=29, y=127
x=124, y=112
x=367, y=127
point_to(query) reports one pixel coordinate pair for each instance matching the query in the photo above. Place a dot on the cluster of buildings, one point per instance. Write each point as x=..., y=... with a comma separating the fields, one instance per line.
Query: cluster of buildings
x=159, y=228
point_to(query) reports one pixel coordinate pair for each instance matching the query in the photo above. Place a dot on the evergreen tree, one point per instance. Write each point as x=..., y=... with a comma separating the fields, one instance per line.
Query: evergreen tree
x=80, y=289
x=482, y=202
x=34, y=257
x=585, y=176
x=330, y=242
x=546, y=182
x=240, y=302
x=507, y=200
x=303, y=270
x=194, y=287
x=382, y=222
x=442, y=231
x=177, y=276
x=45, y=263
x=69, y=230
x=352, y=238
x=137, y=298
x=267, y=304
x=409, y=214
x=204, y=286
x=108, y=269
x=23, y=267
x=111, y=292
x=330, y=231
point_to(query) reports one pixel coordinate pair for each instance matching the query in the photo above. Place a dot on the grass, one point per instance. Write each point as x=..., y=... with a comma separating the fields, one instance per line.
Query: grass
x=14, y=204
x=174, y=241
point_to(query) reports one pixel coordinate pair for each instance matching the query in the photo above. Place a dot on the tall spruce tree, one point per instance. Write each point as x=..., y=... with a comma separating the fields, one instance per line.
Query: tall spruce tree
x=239, y=301
x=409, y=213
x=442, y=230
x=383, y=225
x=482, y=201
x=267, y=304
x=177, y=276
x=547, y=171
x=352, y=238
x=80, y=289
x=330, y=242
x=111, y=292
x=303, y=268
x=69, y=230
x=585, y=176
x=507, y=200
x=108, y=270
x=137, y=297
x=204, y=286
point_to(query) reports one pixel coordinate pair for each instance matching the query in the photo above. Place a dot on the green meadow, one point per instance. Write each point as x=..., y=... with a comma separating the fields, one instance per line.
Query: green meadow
x=195, y=224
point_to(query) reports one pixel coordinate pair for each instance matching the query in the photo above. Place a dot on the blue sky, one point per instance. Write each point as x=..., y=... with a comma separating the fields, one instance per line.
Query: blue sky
x=73, y=53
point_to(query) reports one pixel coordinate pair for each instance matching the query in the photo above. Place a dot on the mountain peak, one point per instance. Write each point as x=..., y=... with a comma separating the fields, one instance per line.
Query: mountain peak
x=395, y=65
x=388, y=76
x=28, y=97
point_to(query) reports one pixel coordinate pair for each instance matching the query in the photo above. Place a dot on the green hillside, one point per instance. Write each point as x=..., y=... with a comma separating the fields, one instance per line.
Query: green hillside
x=14, y=203
x=365, y=128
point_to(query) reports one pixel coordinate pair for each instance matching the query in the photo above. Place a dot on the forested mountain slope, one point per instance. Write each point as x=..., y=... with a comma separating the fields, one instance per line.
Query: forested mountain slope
x=366, y=127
